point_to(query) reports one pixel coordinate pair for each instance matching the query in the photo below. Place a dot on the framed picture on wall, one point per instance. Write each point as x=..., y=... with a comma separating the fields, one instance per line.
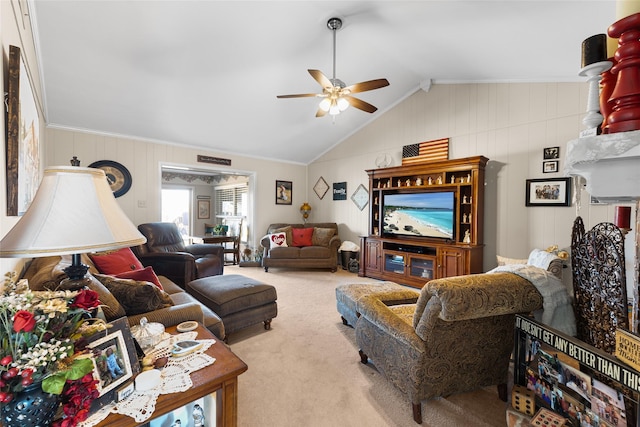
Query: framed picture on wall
x=284, y=192
x=550, y=166
x=551, y=153
x=204, y=209
x=23, y=138
x=548, y=192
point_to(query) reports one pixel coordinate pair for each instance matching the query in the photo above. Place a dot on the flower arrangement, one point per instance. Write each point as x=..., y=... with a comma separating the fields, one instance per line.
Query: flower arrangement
x=562, y=254
x=41, y=337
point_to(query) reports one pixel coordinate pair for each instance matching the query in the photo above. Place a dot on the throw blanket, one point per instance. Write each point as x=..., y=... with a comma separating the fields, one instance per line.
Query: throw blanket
x=557, y=310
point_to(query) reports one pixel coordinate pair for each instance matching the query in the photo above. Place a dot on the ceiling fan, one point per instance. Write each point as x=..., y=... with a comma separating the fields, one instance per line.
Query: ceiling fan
x=336, y=95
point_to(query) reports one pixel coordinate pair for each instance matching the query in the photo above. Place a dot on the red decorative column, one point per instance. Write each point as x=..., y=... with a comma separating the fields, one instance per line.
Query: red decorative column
x=607, y=84
x=625, y=98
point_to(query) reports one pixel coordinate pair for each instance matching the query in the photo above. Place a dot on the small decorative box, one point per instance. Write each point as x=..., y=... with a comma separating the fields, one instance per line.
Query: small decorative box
x=523, y=399
x=547, y=418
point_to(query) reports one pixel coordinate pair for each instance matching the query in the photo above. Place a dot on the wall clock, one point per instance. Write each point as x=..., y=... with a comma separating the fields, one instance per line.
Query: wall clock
x=118, y=176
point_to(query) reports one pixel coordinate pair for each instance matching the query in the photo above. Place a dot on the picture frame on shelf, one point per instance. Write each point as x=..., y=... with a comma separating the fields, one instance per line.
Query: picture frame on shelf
x=550, y=166
x=284, y=192
x=321, y=188
x=115, y=360
x=548, y=192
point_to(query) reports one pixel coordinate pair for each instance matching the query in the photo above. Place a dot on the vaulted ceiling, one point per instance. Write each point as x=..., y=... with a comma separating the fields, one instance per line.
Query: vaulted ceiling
x=206, y=73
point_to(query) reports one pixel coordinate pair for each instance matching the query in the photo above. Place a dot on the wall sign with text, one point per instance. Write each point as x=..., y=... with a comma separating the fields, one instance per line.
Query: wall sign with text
x=339, y=191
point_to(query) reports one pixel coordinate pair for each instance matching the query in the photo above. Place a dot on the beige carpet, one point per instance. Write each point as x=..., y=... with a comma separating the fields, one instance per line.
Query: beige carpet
x=306, y=370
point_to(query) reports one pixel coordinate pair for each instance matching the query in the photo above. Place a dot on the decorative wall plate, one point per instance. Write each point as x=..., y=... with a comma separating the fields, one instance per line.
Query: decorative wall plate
x=321, y=188
x=118, y=176
x=360, y=197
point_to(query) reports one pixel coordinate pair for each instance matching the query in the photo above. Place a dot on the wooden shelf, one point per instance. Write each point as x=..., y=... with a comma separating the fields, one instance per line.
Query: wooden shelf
x=465, y=178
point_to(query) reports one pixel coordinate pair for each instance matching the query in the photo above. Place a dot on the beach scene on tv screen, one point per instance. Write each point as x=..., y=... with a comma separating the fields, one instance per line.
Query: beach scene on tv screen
x=419, y=214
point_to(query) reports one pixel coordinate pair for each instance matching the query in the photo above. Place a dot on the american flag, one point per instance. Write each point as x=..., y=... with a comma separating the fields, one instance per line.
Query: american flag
x=428, y=151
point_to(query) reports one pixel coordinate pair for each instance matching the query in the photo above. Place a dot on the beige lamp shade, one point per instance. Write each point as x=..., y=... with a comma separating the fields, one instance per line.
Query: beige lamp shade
x=73, y=212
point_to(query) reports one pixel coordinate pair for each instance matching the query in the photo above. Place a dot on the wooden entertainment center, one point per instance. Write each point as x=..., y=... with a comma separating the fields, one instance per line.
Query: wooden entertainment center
x=415, y=259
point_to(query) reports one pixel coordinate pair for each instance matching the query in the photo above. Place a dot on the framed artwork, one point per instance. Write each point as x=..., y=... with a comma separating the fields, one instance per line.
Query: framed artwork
x=551, y=153
x=321, y=188
x=114, y=358
x=360, y=197
x=550, y=166
x=548, y=192
x=23, y=138
x=204, y=209
x=284, y=192
x=339, y=191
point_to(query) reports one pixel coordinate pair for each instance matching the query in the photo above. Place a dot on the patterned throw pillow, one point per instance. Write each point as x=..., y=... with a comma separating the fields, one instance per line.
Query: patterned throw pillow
x=301, y=237
x=110, y=306
x=278, y=240
x=322, y=236
x=287, y=231
x=115, y=262
x=134, y=296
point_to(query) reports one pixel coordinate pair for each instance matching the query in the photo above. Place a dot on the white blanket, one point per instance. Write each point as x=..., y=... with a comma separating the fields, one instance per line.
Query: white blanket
x=557, y=310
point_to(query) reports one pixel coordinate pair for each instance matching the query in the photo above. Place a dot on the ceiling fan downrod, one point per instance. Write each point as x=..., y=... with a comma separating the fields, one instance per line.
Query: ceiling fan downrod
x=334, y=24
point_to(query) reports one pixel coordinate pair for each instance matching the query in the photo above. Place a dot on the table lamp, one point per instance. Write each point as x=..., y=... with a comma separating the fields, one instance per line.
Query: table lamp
x=73, y=212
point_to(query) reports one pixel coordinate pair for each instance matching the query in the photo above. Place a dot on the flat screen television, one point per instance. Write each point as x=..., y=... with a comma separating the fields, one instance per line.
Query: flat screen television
x=419, y=214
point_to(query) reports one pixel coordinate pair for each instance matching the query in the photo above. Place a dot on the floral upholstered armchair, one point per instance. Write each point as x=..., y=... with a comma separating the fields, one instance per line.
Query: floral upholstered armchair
x=457, y=337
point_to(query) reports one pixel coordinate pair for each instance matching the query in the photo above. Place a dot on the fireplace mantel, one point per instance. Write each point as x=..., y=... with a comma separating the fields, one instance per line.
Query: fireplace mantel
x=610, y=164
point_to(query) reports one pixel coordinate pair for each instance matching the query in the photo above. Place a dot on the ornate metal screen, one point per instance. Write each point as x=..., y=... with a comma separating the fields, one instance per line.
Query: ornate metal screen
x=599, y=283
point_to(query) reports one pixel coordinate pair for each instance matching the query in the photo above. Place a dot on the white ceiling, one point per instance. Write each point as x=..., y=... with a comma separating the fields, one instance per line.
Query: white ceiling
x=206, y=73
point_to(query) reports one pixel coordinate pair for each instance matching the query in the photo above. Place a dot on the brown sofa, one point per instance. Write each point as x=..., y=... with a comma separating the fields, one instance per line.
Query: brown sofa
x=47, y=272
x=323, y=253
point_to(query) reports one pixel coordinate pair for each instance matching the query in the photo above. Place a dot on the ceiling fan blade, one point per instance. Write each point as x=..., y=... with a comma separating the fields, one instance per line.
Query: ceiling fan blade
x=299, y=95
x=360, y=104
x=368, y=85
x=320, y=112
x=321, y=78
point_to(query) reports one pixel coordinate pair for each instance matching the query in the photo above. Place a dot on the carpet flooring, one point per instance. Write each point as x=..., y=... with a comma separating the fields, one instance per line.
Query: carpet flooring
x=306, y=371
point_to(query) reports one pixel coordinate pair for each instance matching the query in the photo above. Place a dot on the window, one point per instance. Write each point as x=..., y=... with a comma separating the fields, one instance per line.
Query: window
x=176, y=207
x=231, y=201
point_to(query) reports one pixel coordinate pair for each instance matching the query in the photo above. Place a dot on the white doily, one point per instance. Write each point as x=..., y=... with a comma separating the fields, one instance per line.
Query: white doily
x=174, y=378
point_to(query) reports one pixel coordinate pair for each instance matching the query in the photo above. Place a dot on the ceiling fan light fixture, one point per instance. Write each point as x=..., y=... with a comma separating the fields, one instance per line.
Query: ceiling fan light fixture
x=335, y=109
x=325, y=104
x=343, y=104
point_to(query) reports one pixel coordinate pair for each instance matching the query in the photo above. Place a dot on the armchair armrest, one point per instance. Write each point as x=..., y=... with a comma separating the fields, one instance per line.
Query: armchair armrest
x=482, y=295
x=376, y=312
x=203, y=249
x=179, y=267
x=335, y=243
x=171, y=316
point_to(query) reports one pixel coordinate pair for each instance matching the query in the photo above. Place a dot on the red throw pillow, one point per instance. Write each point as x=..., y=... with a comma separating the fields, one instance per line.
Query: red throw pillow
x=115, y=262
x=145, y=275
x=302, y=237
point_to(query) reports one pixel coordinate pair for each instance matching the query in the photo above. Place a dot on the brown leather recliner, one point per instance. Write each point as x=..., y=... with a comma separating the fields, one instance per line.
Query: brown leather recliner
x=166, y=251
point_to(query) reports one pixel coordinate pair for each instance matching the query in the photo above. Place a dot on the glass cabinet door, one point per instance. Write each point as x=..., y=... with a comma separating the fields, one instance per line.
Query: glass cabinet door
x=422, y=268
x=394, y=263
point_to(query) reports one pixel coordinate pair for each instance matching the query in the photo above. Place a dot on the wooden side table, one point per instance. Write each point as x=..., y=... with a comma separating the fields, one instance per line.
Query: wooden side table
x=221, y=377
x=234, y=240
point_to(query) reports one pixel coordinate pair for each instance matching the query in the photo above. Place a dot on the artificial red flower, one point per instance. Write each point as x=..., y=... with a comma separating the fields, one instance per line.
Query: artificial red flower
x=86, y=299
x=23, y=321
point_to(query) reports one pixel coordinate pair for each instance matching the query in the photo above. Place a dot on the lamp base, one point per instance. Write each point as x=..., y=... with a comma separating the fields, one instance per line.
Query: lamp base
x=76, y=274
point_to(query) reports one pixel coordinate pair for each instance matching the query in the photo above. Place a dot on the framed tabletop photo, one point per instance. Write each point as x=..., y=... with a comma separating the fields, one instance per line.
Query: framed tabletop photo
x=548, y=192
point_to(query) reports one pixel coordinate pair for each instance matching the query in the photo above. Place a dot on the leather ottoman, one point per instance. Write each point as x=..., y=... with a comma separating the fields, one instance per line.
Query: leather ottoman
x=347, y=297
x=238, y=300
